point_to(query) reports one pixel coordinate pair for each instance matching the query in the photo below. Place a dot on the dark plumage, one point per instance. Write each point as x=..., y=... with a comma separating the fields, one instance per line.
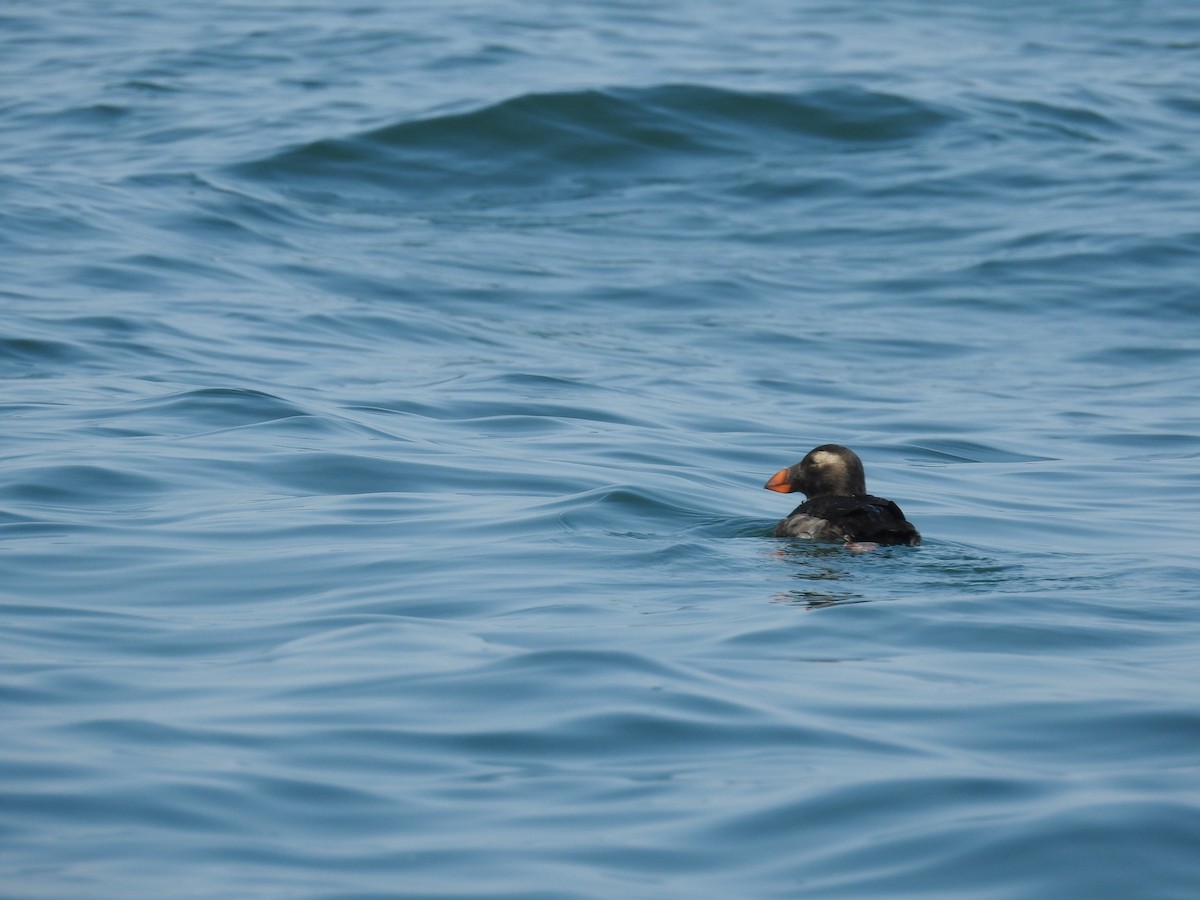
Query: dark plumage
x=838, y=507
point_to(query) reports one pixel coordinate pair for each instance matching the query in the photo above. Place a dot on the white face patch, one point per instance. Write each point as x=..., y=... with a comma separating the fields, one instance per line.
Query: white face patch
x=823, y=459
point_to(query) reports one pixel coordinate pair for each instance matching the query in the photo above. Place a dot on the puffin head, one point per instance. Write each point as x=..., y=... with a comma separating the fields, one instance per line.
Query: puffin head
x=830, y=469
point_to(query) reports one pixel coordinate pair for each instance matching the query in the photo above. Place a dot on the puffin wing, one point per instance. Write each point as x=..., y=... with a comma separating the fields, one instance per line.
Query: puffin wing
x=862, y=518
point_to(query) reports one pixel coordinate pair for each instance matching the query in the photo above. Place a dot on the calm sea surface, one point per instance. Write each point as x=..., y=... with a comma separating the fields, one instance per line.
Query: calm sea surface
x=387, y=393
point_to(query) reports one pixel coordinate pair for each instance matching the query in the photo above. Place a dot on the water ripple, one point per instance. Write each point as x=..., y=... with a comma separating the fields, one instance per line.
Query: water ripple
x=591, y=137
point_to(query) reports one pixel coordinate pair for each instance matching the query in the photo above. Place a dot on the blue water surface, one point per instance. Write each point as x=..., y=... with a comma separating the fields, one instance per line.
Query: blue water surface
x=388, y=389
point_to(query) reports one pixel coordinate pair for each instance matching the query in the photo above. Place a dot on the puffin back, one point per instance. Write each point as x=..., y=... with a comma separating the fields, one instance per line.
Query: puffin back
x=862, y=517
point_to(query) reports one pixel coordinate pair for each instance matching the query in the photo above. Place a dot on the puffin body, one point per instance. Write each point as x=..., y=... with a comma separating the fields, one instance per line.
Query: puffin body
x=838, y=507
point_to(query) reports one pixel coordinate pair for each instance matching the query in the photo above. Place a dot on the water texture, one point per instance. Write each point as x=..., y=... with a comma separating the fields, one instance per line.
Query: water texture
x=388, y=389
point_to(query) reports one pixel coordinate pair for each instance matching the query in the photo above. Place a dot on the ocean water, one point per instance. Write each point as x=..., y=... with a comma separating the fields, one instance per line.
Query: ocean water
x=387, y=394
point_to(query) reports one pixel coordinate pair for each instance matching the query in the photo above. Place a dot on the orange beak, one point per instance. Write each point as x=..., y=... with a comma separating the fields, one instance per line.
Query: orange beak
x=781, y=481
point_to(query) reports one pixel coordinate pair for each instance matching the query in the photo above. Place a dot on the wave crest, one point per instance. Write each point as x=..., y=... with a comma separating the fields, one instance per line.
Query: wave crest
x=617, y=134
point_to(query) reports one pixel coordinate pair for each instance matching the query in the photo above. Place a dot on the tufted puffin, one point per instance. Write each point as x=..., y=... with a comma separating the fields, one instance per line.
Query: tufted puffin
x=838, y=507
